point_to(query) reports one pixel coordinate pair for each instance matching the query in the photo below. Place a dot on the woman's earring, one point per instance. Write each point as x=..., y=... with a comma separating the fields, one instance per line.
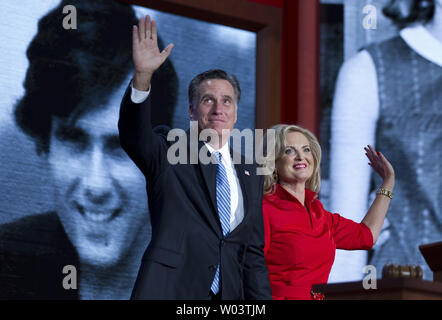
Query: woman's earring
x=275, y=175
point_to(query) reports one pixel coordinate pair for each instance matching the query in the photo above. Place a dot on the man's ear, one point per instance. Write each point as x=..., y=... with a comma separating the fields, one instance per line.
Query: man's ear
x=191, y=111
x=236, y=113
x=44, y=154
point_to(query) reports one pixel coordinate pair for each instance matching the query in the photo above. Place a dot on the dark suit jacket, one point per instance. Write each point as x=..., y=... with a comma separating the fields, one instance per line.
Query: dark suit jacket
x=187, y=242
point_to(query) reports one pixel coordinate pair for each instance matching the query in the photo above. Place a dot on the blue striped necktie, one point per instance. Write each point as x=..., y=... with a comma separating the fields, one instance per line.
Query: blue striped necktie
x=223, y=204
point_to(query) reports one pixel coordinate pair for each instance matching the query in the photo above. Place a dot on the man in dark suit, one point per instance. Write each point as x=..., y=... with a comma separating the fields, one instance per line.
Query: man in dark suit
x=207, y=229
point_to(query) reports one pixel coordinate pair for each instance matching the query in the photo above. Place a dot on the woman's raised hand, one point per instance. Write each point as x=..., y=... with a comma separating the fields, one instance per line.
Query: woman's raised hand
x=380, y=164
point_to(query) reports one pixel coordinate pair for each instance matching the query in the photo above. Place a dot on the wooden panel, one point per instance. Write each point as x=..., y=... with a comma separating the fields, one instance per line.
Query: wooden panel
x=387, y=289
x=301, y=64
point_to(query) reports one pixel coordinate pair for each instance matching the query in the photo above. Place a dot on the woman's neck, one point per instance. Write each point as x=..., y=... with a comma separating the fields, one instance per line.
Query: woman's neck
x=435, y=25
x=295, y=189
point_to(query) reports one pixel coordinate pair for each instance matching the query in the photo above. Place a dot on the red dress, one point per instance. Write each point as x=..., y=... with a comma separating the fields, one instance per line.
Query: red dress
x=300, y=246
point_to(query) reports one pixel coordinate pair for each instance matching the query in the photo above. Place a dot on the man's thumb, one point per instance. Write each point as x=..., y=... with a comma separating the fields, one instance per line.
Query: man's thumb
x=166, y=52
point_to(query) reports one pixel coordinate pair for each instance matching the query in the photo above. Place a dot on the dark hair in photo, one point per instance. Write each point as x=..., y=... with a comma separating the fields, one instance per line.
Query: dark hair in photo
x=213, y=74
x=405, y=12
x=72, y=72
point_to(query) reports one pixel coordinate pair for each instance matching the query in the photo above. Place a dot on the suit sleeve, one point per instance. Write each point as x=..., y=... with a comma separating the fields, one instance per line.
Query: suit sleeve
x=146, y=148
x=256, y=276
x=267, y=229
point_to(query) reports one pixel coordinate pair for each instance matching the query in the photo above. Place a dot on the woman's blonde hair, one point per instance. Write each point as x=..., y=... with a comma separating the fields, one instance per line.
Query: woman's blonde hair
x=281, y=131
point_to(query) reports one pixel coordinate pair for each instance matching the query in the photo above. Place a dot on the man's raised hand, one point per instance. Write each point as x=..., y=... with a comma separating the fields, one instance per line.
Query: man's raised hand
x=145, y=52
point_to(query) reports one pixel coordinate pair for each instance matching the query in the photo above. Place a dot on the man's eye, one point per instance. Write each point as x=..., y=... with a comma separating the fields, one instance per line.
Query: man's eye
x=112, y=146
x=227, y=101
x=72, y=136
x=208, y=100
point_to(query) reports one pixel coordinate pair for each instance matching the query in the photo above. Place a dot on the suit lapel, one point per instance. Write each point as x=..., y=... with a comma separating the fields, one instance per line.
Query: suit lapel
x=208, y=171
x=241, y=170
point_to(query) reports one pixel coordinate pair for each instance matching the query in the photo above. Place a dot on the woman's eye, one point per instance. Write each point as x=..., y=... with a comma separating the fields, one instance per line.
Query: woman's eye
x=307, y=150
x=288, y=151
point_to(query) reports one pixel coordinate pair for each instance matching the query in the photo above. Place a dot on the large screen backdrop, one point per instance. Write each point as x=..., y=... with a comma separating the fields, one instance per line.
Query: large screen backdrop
x=378, y=89
x=74, y=218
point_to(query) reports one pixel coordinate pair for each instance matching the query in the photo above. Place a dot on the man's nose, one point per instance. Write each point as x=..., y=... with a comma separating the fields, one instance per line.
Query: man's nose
x=217, y=107
x=97, y=182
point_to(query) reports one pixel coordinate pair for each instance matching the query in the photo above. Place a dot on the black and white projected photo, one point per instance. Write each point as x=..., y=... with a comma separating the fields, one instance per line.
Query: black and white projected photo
x=387, y=92
x=74, y=217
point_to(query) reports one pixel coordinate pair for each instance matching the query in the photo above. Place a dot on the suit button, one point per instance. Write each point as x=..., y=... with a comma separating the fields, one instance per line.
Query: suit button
x=222, y=243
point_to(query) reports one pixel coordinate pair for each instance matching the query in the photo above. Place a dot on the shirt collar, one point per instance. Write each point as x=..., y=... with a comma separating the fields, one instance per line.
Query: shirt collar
x=423, y=42
x=283, y=194
x=225, y=151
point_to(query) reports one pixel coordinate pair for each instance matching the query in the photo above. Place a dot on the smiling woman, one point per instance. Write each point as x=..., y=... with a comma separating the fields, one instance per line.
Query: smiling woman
x=301, y=237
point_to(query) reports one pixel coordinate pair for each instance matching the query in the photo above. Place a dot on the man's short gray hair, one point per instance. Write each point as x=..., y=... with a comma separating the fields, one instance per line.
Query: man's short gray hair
x=213, y=74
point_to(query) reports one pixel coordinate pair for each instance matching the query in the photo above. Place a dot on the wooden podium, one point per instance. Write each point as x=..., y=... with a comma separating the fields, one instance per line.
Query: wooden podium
x=387, y=289
x=433, y=256
x=393, y=288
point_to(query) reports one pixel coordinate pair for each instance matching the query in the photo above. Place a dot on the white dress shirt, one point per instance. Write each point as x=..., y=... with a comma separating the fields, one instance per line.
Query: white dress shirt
x=236, y=197
x=138, y=96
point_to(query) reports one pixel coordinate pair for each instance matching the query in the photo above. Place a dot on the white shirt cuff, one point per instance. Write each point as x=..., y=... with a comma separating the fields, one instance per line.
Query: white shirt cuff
x=138, y=96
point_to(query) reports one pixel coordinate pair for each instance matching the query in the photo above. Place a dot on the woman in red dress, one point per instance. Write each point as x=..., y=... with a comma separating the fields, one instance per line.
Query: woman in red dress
x=301, y=237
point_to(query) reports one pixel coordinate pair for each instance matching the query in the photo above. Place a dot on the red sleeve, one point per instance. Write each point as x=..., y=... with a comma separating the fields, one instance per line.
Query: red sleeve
x=266, y=216
x=350, y=235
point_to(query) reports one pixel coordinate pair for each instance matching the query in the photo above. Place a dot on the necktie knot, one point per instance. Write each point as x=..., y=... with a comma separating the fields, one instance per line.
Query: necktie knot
x=218, y=156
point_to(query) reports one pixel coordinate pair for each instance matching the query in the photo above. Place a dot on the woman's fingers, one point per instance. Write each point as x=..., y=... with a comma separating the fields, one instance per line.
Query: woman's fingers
x=373, y=152
x=382, y=159
x=387, y=164
x=374, y=157
x=369, y=154
x=378, y=162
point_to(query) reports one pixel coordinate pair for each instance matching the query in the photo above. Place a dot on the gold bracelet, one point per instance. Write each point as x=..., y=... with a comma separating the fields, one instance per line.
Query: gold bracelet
x=385, y=192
